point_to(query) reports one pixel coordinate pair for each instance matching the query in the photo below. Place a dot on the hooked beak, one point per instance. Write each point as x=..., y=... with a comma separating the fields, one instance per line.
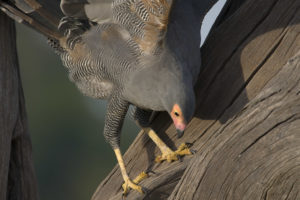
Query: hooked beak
x=180, y=127
x=179, y=133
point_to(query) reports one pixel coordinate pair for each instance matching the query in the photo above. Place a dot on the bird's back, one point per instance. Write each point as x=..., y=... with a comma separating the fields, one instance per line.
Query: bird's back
x=170, y=25
x=125, y=33
x=137, y=32
x=183, y=35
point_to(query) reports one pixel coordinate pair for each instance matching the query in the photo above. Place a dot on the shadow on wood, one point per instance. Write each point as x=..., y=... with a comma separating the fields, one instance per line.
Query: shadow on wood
x=246, y=126
x=246, y=129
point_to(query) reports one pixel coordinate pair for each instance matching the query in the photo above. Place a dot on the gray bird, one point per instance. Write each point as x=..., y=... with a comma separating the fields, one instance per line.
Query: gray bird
x=143, y=53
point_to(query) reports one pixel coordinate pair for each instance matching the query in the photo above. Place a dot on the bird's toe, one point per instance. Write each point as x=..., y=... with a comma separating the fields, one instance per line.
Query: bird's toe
x=171, y=156
x=128, y=184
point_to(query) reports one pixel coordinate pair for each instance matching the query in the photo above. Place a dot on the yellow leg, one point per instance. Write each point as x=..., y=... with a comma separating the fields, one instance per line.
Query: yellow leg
x=128, y=184
x=167, y=153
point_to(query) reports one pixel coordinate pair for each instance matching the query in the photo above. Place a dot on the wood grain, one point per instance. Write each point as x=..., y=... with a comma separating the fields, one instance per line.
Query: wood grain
x=245, y=130
x=246, y=127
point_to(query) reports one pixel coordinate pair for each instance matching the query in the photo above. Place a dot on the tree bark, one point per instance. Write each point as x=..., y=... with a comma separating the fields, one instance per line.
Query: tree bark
x=17, y=178
x=246, y=130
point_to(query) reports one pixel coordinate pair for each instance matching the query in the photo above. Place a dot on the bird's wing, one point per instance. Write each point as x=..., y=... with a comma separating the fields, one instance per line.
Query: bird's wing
x=99, y=11
x=145, y=20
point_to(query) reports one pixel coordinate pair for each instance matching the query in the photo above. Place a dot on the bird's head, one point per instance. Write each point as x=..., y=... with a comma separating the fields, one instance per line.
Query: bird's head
x=181, y=107
x=164, y=84
x=176, y=91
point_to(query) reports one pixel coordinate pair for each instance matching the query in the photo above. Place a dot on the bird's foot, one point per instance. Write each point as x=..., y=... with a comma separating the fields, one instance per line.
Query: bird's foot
x=134, y=184
x=140, y=177
x=170, y=155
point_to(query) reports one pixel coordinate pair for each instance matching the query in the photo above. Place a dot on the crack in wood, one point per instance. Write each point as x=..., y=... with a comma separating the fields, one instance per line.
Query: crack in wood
x=218, y=139
x=265, y=133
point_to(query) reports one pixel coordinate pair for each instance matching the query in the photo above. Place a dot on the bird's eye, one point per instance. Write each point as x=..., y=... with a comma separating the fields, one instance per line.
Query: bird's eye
x=176, y=114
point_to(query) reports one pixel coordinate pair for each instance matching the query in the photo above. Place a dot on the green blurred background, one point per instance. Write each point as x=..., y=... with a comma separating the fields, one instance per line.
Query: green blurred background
x=71, y=156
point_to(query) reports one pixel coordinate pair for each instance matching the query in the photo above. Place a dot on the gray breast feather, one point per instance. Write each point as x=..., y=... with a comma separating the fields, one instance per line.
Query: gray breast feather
x=93, y=87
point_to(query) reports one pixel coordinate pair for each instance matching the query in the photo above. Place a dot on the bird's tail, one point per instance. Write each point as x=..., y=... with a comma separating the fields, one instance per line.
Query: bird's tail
x=43, y=16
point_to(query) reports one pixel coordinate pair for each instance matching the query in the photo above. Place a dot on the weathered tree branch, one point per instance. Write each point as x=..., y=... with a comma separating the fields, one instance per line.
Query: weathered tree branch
x=246, y=128
x=17, y=178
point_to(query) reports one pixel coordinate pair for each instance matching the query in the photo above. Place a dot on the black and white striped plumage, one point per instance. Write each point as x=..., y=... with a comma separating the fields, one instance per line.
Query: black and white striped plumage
x=131, y=52
x=141, y=52
x=135, y=52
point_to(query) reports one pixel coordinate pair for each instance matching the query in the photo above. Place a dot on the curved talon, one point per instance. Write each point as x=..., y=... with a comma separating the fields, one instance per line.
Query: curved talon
x=179, y=158
x=188, y=144
x=148, y=171
x=193, y=151
x=145, y=191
